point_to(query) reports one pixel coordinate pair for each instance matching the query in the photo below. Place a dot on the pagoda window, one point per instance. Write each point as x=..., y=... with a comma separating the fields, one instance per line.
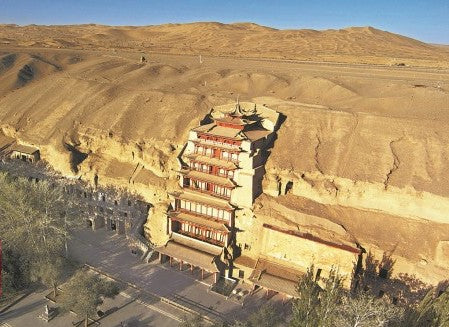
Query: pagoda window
x=214, y=213
x=208, y=233
x=208, y=151
x=209, y=211
x=222, y=172
x=227, y=216
x=225, y=154
x=228, y=192
x=204, y=210
x=231, y=174
x=183, y=204
x=234, y=156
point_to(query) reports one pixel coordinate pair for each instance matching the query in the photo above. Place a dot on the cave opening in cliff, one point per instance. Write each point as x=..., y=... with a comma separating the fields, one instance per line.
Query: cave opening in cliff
x=288, y=187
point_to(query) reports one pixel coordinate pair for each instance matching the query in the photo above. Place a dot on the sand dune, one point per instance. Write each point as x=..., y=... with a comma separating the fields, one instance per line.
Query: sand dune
x=352, y=45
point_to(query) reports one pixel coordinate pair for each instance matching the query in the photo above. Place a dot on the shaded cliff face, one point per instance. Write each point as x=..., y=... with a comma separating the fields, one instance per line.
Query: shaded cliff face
x=370, y=139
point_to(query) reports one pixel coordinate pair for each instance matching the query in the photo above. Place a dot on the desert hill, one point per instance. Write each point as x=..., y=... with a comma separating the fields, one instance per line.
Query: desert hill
x=351, y=45
x=363, y=146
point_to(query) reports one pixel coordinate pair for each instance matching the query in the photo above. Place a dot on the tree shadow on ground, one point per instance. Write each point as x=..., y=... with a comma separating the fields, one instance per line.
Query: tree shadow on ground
x=376, y=276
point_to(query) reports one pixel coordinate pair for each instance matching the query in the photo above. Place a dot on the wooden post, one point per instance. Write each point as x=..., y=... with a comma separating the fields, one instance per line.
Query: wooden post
x=215, y=277
x=180, y=265
x=191, y=268
x=171, y=260
x=202, y=273
x=160, y=257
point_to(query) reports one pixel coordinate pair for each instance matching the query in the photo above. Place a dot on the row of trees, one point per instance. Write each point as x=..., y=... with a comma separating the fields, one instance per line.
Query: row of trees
x=36, y=221
x=332, y=306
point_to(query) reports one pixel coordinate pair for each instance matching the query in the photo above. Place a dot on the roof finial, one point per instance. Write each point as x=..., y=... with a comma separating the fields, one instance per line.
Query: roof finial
x=238, y=110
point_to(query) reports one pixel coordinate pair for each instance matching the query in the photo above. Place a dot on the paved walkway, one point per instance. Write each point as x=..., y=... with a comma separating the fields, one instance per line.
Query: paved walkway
x=109, y=253
x=122, y=308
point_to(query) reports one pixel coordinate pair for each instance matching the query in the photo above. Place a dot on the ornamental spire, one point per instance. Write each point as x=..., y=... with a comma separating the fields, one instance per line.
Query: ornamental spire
x=238, y=110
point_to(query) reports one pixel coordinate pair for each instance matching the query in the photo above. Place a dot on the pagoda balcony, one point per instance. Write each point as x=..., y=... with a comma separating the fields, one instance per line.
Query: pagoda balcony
x=202, y=221
x=212, y=193
x=201, y=215
x=210, y=160
x=221, y=144
x=214, y=172
x=218, y=145
x=210, y=178
x=200, y=238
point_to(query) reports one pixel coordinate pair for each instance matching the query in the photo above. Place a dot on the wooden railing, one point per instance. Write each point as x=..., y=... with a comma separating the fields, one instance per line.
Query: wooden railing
x=224, y=197
x=200, y=237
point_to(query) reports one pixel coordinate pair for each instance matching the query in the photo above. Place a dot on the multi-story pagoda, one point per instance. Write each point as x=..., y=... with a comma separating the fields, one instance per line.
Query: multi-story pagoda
x=221, y=171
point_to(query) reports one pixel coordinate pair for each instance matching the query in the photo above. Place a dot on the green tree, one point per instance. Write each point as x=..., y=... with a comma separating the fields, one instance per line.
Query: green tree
x=36, y=218
x=330, y=298
x=15, y=272
x=266, y=316
x=84, y=292
x=193, y=321
x=315, y=306
x=363, y=310
x=50, y=273
x=433, y=310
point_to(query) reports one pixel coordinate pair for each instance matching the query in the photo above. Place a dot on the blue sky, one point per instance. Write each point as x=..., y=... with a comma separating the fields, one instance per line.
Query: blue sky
x=425, y=20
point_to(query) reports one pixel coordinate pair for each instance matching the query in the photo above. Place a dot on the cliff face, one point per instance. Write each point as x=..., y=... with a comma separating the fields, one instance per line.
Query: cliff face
x=396, y=165
x=367, y=153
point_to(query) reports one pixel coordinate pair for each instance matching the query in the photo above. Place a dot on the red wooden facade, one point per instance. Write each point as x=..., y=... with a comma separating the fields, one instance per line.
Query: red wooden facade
x=230, y=125
x=220, y=139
